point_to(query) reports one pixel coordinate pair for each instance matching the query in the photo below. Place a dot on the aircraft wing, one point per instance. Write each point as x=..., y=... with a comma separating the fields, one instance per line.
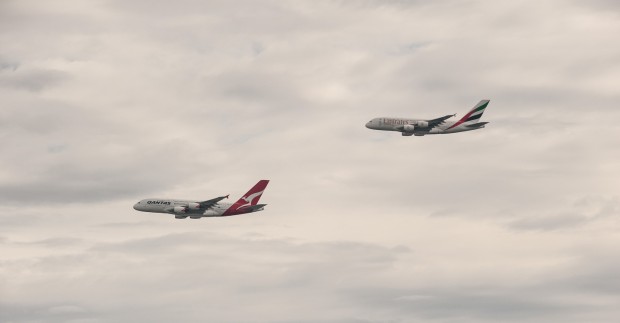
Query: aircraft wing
x=435, y=122
x=209, y=203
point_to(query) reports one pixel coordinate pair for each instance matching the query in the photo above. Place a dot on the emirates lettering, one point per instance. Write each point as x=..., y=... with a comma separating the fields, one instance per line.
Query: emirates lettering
x=398, y=122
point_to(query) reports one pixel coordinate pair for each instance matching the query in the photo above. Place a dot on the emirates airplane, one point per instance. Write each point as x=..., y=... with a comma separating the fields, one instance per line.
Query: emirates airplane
x=418, y=127
x=210, y=208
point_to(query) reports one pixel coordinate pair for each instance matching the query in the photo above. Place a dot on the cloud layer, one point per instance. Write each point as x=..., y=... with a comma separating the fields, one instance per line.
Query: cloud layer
x=108, y=102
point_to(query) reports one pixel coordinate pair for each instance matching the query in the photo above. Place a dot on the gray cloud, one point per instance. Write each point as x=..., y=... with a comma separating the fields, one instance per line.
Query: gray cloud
x=31, y=80
x=347, y=280
x=549, y=222
x=584, y=211
x=607, y=6
x=47, y=312
x=219, y=262
x=472, y=305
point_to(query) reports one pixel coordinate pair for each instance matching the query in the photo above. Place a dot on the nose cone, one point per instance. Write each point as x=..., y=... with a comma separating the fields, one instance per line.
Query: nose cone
x=368, y=124
x=136, y=206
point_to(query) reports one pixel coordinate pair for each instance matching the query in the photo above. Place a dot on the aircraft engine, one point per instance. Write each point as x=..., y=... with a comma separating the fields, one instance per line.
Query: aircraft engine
x=422, y=124
x=409, y=127
x=180, y=209
x=194, y=206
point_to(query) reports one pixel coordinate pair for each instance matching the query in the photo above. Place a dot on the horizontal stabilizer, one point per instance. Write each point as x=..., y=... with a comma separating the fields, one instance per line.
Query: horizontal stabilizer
x=257, y=207
x=476, y=125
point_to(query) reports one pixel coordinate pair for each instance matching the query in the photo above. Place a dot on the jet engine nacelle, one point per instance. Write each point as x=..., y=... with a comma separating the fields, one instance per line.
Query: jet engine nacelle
x=193, y=206
x=180, y=209
x=421, y=124
x=409, y=128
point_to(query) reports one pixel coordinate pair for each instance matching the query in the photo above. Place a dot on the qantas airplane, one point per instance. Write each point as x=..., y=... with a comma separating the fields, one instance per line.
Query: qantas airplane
x=418, y=127
x=210, y=208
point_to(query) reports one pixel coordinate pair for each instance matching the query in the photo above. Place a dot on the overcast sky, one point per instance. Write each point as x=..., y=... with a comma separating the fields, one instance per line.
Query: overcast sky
x=107, y=102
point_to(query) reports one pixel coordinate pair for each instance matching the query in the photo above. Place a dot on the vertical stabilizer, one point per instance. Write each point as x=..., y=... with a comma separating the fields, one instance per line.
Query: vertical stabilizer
x=473, y=116
x=250, y=198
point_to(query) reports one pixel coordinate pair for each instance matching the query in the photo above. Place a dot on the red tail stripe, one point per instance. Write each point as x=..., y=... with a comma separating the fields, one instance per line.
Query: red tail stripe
x=464, y=118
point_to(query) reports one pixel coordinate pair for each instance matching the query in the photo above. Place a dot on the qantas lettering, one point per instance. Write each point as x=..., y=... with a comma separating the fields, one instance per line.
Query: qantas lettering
x=158, y=202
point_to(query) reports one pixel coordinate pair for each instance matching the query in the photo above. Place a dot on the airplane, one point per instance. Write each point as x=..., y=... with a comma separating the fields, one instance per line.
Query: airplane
x=210, y=208
x=418, y=127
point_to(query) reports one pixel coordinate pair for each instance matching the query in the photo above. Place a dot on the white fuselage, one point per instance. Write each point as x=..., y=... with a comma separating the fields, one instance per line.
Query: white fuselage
x=168, y=205
x=396, y=124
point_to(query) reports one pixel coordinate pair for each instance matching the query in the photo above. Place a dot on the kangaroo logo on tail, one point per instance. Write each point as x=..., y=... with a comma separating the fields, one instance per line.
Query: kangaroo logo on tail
x=250, y=198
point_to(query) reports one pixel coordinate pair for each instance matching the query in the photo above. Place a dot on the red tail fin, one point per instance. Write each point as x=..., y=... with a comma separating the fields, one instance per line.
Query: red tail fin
x=252, y=196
